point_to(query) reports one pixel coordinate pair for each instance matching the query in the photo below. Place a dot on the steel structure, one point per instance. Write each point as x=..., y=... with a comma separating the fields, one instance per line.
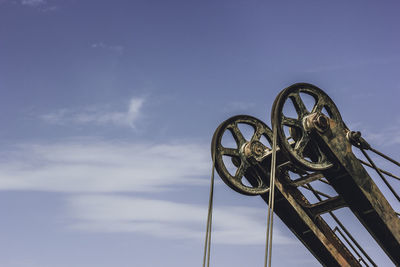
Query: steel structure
x=314, y=145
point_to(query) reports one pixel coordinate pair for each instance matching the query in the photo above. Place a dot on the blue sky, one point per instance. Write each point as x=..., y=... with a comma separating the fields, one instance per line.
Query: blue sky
x=108, y=108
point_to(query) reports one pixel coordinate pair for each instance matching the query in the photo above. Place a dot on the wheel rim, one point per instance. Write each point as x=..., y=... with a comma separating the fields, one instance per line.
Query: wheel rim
x=243, y=161
x=303, y=151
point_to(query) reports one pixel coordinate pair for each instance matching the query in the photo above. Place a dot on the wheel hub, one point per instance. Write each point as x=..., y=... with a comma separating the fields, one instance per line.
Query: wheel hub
x=317, y=121
x=255, y=150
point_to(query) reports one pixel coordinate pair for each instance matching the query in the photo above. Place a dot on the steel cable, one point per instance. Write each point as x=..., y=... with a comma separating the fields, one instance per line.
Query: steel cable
x=380, y=174
x=384, y=156
x=383, y=171
x=207, y=242
x=271, y=202
x=356, y=139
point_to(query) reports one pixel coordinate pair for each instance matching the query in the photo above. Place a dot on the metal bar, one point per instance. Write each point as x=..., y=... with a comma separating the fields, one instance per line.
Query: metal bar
x=380, y=174
x=328, y=205
x=383, y=171
x=352, y=239
x=336, y=219
x=351, y=245
x=314, y=233
x=319, y=192
x=325, y=181
x=307, y=179
x=355, y=185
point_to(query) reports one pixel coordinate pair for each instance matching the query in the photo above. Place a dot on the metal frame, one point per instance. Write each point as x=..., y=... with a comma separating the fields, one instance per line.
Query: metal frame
x=321, y=149
x=303, y=218
x=353, y=183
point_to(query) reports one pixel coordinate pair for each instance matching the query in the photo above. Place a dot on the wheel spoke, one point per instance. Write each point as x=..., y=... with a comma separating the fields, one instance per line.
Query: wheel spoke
x=301, y=145
x=257, y=133
x=240, y=172
x=233, y=152
x=298, y=104
x=294, y=100
x=237, y=134
x=291, y=122
x=318, y=106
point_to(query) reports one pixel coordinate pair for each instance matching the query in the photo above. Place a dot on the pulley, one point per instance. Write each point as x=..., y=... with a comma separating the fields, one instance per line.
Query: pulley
x=303, y=151
x=245, y=154
x=310, y=141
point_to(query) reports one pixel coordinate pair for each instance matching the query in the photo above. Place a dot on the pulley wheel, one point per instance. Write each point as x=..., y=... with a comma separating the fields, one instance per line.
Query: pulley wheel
x=243, y=153
x=294, y=137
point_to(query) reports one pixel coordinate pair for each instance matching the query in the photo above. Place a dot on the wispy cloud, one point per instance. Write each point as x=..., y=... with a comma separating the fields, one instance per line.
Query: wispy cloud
x=98, y=115
x=239, y=106
x=354, y=64
x=33, y=2
x=94, y=174
x=383, y=137
x=114, y=48
x=94, y=166
x=166, y=219
x=41, y=5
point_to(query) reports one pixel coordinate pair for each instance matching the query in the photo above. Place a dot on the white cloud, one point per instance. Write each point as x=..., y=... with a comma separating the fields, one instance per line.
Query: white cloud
x=166, y=219
x=115, y=48
x=386, y=136
x=239, y=106
x=354, y=64
x=33, y=2
x=88, y=170
x=84, y=166
x=98, y=116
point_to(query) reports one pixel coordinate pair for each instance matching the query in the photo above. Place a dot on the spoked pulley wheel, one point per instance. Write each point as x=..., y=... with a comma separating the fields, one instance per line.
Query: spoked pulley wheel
x=243, y=153
x=296, y=124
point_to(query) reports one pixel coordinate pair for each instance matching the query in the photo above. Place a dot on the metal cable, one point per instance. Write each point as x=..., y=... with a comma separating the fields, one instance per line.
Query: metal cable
x=360, y=258
x=383, y=171
x=207, y=242
x=384, y=156
x=356, y=139
x=380, y=174
x=271, y=202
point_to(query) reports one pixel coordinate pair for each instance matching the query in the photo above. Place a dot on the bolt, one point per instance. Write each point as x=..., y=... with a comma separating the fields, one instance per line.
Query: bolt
x=257, y=148
x=354, y=138
x=254, y=150
x=355, y=135
x=321, y=122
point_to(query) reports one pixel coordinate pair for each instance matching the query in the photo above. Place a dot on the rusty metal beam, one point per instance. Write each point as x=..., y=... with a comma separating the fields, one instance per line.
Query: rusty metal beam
x=327, y=205
x=307, y=179
x=364, y=198
x=310, y=229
